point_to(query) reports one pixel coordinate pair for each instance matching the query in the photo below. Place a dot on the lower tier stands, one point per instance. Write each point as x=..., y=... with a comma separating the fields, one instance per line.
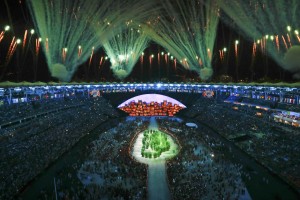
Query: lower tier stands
x=275, y=145
x=29, y=147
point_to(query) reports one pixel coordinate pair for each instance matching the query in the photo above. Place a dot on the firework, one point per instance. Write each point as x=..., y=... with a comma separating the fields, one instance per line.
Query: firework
x=58, y=25
x=24, y=39
x=128, y=40
x=2, y=33
x=12, y=48
x=1, y=36
x=236, y=49
x=101, y=61
x=142, y=58
x=254, y=50
x=91, y=57
x=125, y=48
x=79, y=51
x=67, y=24
x=188, y=32
x=273, y=24
x=37, y=46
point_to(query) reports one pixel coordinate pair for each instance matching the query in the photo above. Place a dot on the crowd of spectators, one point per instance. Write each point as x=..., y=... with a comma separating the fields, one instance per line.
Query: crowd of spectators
x=108, y=172
x=26, y=149
x=13, y=112
x=279, y=105
x=275, y=145
x=292, y=117
x=200, y=170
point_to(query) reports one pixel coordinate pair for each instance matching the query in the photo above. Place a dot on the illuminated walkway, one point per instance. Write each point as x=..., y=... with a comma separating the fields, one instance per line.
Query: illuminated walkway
x=157, y=181
x=157, y=176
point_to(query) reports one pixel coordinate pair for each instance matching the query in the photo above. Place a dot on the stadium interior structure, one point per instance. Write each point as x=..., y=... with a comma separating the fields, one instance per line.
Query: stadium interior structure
x=243, y=133
x=139, y=99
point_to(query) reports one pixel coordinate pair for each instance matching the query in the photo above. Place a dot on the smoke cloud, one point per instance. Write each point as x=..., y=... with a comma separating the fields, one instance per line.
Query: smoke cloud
x=60, y=72
x=120, y=73
x=292, y=61
x=206, y=73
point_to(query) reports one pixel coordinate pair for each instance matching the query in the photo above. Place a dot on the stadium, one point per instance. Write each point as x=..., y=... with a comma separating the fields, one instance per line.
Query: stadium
x=149, y=100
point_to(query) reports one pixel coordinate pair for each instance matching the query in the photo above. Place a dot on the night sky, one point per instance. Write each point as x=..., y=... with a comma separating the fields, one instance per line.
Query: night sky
x=26, y=66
